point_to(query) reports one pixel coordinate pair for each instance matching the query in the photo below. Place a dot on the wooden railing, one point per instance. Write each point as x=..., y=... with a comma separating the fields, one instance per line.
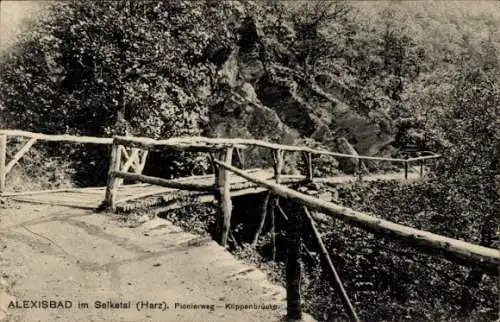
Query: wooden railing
x=32, y=139
x=130, y=153
x=217, y=148
x=487, y=259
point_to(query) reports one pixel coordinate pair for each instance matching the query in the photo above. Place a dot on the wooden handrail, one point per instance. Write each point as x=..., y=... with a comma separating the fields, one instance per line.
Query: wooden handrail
x=57, y=137
x=460, y=251
x=198, y=142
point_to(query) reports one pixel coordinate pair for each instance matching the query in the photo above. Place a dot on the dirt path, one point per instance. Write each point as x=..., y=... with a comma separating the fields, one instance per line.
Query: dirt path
x=50, y=253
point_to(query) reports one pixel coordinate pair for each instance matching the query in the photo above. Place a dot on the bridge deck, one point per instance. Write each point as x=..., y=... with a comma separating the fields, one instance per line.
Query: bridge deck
x=66, y=254
x=91, y=198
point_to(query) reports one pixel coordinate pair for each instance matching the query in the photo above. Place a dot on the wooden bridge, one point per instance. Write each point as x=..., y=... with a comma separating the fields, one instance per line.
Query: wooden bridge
x=128, y=158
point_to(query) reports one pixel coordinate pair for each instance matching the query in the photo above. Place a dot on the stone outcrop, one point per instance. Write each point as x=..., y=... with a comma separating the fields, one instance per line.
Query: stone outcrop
x=276, y=102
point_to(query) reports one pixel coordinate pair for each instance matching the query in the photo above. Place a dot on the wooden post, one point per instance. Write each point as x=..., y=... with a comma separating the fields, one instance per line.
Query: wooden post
x=308, y=163
x=3, y=156
x=360, y=169
x=278, y=167
x=224, y=197
x=241, y=158
x=406, y=167
x=334, y=276
x=113, y=182
x=421, y=168
x=278, y=164
x=293, y=298
x=263, y=216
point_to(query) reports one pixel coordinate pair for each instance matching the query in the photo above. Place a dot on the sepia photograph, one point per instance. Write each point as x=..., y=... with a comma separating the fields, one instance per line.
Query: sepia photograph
x=238, y=160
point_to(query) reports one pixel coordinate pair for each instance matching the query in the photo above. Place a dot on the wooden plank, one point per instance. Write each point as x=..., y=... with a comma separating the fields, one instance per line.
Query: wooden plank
x=3, y=155
x=144, y=194
x=20, y=154
x=457, y=250
x=57, y=203
x=37, y=192
x=70, y=196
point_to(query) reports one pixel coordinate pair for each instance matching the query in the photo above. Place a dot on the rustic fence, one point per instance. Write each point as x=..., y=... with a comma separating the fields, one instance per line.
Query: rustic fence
x=486, y=259
x=32, y=138
x=130, y=154
x=217, y=149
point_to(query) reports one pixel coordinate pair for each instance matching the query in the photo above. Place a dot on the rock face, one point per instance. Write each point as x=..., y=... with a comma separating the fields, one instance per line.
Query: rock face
x=273, y=102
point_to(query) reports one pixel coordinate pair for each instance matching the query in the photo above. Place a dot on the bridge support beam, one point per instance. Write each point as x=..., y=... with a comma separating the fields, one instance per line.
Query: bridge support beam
x=293, y=273
x=3, y=156
x=113, y=181
x=223, y=195
x=307, y=157
x=278, y=161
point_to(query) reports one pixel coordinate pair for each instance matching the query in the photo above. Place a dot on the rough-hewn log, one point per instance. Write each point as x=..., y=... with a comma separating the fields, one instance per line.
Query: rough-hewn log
x=190, y=186
x=272, y=215
x=263, y=215
x=144, y=195
x=141, y=161
x=112, y=183
x=427, y=157
x=241, y=158
x=19, y=155
x=457, y=250
x=278, y=160
x=307, y=157
x=195, y=144
x=59, y=138
x=278, y=164
x=406, y=170
x=187, y=144
x=334, y=276
x=3, y=156
x=129, y=161
x=293, y=297
x=210, y=144
x=224, y=196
